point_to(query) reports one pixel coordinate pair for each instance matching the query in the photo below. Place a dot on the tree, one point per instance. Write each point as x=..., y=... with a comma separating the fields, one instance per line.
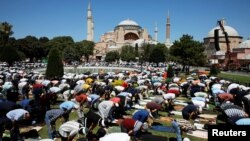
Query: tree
x=112, y=56
x=146, y=50
x=164, y=49
x=5, y=33
x=85, y=48
x=136, y=50
x=31, y=47
x=55, y=65
x=43, y=39
x=127, y=53
x=188, y=52
x=70, y=54
x=157, y=55
x=60, y=42
x=9, y=54
x=214, y=70
x=170, y=71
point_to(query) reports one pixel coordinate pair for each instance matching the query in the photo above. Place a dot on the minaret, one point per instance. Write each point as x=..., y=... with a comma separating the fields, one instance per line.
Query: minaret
x=92, y=30
x=89, y=24
x=156, y=32
x=168, y=42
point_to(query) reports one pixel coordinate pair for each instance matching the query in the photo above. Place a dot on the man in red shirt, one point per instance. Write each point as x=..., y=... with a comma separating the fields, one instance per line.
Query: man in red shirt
x=80, y=98
x=131, y=126
x=225, y=97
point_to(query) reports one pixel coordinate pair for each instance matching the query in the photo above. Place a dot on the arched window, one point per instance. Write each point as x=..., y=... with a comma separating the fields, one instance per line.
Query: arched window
x=130, y=36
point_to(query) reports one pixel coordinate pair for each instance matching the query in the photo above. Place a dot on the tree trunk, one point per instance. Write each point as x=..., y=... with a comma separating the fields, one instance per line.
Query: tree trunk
x=183, y=68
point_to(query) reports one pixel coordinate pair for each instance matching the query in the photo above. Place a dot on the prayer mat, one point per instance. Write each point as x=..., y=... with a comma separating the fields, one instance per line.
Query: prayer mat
x=178, y=107
x=152, y=97
x=163, y=128
x=147, y=100
x=207, y=116
x=176, y=112
x=165, y=119
x=180, y=103
x=28, y=128
x=199, y=126
x=198, y=133
x=138, y=106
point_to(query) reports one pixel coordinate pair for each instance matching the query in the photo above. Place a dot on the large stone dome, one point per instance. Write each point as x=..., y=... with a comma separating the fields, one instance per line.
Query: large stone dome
x=230, y=31
x=245, y=44
x=128, y=22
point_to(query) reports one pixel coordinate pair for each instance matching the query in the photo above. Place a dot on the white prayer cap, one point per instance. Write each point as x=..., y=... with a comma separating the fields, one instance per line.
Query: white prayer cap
x=186, y=139
x=76, y=106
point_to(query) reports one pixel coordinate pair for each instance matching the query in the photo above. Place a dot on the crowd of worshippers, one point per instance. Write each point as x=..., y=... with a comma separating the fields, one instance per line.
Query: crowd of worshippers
x=231, y=99
x=27, y=99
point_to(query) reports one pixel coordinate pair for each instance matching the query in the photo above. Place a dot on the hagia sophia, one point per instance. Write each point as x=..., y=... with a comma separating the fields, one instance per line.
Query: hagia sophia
x=129, y=32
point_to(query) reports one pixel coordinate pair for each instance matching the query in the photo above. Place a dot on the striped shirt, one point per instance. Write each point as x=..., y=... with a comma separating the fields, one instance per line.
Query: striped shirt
x=226, y=106
x=235, y=113
x=69, y=128
x=104, y=108
x=54, y=114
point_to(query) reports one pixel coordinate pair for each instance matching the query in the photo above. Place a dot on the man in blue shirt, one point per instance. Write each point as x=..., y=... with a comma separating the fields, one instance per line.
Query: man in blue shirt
x=50, y=119
x=16, y=116
x=93, y=100
x=141, y=115
x=190, y=112
x=67, y=107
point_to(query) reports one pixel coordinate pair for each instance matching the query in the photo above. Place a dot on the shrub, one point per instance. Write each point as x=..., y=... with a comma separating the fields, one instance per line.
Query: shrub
x=55, y=65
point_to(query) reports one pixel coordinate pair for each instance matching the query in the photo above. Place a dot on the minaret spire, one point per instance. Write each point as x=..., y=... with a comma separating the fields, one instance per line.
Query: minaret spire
x=168, y=42
x=90, y=24
x=168, y=27
x=156, y=32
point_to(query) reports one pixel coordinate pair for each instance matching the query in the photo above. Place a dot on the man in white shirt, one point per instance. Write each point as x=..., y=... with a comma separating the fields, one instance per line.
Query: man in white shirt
x=116, y=137
x=70, y=129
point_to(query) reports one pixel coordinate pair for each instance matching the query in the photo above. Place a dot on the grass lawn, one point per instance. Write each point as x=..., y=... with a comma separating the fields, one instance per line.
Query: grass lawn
x=157, y=135
x=244, y=80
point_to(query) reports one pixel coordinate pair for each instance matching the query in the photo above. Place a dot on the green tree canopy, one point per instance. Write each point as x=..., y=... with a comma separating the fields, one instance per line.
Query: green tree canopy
x=9, y=54
x=188, y=52
x=85, y=48
x=112, y=56
x=146, y=51
x=164, y=49
x=55, y=64
x=170, y=72
x=60, y=42
x=70, y=54
x=5, y=33
x=31, y=47
x=157, y=55
x=127, y=53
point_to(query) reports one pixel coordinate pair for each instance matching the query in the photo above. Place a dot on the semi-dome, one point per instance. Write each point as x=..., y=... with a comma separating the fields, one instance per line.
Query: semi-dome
x=128, y=22
x=245, y=44
x=230, y=31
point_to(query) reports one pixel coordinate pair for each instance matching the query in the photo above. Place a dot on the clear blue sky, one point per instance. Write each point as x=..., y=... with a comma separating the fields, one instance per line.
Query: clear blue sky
x=53, y=18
